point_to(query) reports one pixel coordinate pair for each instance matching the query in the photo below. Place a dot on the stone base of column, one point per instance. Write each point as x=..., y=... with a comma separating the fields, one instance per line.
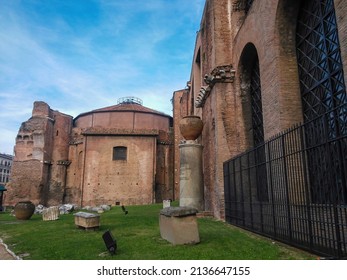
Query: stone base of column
x=178, y=225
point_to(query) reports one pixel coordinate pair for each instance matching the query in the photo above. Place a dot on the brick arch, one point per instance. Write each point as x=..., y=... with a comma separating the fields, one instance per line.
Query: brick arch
x=248, y=57
x=273, y=36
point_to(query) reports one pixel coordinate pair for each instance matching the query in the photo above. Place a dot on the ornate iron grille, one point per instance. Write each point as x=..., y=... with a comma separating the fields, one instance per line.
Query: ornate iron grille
x=258, y=132
x=257, y=110
x=320, y=65
x=323, y=92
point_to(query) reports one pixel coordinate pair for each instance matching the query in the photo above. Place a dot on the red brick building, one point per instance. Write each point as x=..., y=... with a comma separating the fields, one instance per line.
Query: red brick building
x=120, y=154
x=260, y=67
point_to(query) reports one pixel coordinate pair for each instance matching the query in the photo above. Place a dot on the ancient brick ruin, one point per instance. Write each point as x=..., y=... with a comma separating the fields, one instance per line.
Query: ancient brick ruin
x=121, y=154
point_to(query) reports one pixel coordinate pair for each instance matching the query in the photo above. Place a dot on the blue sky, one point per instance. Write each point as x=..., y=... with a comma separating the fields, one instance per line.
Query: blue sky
x=82, y=55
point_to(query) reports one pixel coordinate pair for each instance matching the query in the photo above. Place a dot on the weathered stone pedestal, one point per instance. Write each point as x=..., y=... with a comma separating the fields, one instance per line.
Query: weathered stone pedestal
x=87, y=221
x=178, y=225
x=191, y=178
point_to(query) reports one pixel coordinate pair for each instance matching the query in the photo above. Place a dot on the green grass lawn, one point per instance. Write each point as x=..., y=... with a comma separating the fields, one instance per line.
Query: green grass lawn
x=138, y=238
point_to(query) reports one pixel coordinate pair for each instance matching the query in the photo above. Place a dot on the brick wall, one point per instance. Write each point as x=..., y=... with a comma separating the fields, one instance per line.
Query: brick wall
x=180, y=109
x=229, y=36
x=41, y=143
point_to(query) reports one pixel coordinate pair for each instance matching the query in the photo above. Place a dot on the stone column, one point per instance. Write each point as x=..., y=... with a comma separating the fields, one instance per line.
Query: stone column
x=191, y=178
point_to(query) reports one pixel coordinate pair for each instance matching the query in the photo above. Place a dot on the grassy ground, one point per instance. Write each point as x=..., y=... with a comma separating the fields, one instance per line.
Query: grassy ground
x=138, y=238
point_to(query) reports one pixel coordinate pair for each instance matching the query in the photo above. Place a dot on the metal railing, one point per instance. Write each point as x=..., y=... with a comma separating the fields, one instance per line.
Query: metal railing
x=293, y=187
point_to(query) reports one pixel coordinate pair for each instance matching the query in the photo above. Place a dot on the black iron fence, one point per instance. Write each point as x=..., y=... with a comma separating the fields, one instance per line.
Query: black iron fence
x=293, y=187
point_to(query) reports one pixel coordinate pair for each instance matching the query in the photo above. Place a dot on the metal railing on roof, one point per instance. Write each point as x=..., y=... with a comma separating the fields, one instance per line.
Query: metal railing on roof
x=130, y=100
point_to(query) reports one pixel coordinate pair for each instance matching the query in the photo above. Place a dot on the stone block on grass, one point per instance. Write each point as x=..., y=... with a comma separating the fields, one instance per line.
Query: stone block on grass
x=50, y=214
x=87, y=221
x=178, y=225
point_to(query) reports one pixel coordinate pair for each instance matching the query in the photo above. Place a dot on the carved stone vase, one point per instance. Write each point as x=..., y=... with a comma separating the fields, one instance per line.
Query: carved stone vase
x=191, y=127
x=23, y=210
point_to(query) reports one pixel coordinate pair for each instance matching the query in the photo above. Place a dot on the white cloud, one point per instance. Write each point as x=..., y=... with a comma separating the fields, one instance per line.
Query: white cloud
x=140, y=48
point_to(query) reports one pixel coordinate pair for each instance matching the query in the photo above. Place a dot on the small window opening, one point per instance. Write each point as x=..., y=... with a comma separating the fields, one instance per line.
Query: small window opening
x=119, y=153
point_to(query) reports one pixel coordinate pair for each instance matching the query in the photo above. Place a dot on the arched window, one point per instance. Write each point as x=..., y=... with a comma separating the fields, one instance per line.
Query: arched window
x=80, y=159
x=257, y=109
x=251, y=92
x=253, y=112
x=119, y=153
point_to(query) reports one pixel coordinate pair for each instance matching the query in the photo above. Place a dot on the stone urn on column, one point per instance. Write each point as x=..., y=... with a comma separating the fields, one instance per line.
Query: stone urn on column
x=191, y=178
x=191, y=127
